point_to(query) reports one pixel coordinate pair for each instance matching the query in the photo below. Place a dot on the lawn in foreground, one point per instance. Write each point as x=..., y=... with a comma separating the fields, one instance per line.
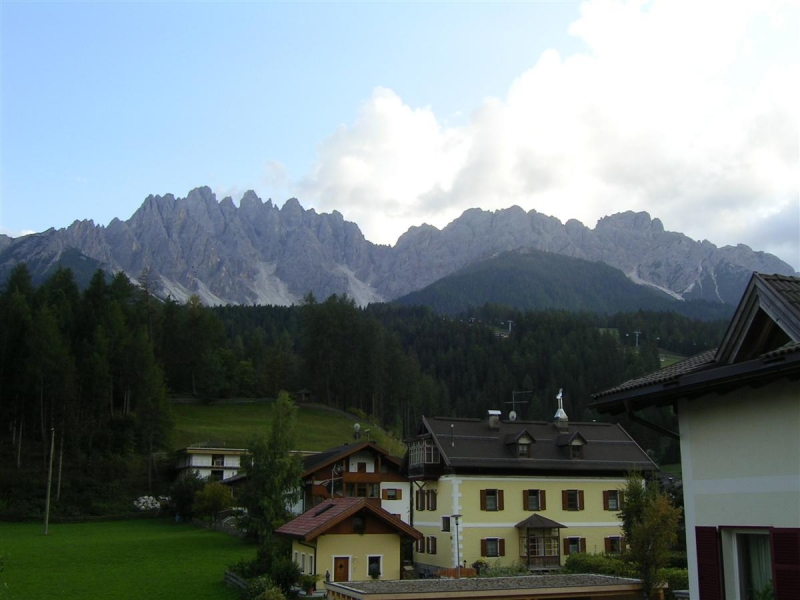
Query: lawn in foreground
x=150, y=559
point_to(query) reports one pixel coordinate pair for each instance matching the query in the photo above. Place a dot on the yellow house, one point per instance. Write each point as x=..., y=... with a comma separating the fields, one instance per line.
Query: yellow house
x=510, y=492
x=348, y=539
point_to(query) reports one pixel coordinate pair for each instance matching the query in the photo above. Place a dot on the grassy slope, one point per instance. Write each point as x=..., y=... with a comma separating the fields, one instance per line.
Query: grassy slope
x=117, y=560
x=318, y=427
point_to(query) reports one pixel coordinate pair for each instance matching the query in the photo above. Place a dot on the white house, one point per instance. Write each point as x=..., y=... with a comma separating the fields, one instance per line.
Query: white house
x=739, y=420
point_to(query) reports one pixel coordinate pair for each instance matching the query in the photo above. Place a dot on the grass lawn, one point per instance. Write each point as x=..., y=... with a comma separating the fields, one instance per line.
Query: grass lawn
x=234, y=424
x=150, y=559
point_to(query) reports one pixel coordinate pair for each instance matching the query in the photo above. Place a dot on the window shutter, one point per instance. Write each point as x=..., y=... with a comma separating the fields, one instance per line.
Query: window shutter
x=525, y=496
x=580, y=499
x=786, y=562
x=566, y=546
x=620, y=500
x=564, y=500
x=421, y=499
x=499, y=499
x=501, y=547
x=433, y=545
x=605, y=501
x=483, y=548
x=399, y=493
x=431, y=499
x=421, y=545
x=608, y=545
x=583, y=545
x=542, y=498
x=708, y=563
x=483, y=504
x=384, y=494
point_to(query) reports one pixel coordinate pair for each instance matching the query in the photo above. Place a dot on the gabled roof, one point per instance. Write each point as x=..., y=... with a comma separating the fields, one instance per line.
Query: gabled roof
x=319, y=461
x=320, y=519
x=537, y=521
x=762, y=343
x=514, y=437
x=469, y=445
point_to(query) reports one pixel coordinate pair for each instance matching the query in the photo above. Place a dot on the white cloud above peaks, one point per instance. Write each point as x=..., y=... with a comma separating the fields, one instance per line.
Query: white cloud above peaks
x=688, y=110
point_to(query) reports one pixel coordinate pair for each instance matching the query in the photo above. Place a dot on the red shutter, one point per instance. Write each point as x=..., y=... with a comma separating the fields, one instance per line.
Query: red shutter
x=583, y=545
x=501, y=547
x=608, y=545
x=399, y=494
x=580, y=499
x=564, y=499
x=499, y=499
x=525, y=496
x=566, y=546
x=384, y=494
x=483, y=504
x=542, y=500
x=708, y=563
x=483, y=548
x=605, y=501
x=786, y=562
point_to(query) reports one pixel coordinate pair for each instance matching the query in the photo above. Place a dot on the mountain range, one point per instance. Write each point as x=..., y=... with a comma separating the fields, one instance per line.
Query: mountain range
x=257, y=253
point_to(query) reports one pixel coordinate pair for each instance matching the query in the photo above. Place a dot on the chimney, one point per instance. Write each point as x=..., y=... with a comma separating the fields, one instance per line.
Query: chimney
x=561, y=420
x=494, y=420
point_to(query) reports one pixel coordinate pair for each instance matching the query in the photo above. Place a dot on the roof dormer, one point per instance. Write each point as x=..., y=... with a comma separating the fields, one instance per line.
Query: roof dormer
x=521, y=443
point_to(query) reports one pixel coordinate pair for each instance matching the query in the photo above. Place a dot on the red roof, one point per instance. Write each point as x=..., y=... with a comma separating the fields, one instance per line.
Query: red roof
x=315, y=522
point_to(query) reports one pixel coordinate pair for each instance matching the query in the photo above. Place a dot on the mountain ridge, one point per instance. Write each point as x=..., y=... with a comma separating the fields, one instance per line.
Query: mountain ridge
x=257, y=253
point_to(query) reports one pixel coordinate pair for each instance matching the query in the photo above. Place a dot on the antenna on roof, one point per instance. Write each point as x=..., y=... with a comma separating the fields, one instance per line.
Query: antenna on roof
x=514, y=403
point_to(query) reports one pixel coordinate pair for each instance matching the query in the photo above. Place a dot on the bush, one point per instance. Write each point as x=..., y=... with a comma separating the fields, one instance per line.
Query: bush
x=503, y=570
x=286, y=574
x=599, y=564
x=676, y=579
x=256, y=587
x=272, y=594
x=183, y=493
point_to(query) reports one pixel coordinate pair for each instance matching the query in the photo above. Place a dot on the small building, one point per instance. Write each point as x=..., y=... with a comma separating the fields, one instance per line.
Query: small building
x=216, y=464
x=532, y=587
x=361, y=470
x=738, y=413
x=348, y=539
x=508, y=491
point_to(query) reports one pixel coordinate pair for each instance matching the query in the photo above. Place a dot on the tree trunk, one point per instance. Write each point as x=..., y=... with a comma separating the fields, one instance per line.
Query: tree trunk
x=60, y=461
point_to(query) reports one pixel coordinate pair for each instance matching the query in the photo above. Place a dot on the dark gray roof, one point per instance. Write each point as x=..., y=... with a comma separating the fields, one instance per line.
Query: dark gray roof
x=537, y=521
x=316, y=461
x=470, y=445
x=762, y=343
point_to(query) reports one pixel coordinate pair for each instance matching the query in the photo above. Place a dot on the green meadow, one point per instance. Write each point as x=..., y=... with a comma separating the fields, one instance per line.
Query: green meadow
x=235, y=423
x=117, y=560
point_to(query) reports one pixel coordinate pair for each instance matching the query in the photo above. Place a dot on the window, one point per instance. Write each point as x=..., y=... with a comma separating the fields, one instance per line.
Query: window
x=573, y=545
x=492, y=500
x=576, y=451
x=303, y=562
x=445, y=523
x=216, y=475
x=311, y=564
x=523, y=449
x=493, y=547
x=392, y=494
x=374, y=490
x=572, y=499
x=431, y=546
x=612, y=500
x=217, y=460
x=533, y=500
x=423, y=452
x=753, y=563
x=374, y=566
x=421, y=545
x=361, y=467
x=431, y=498
x=613, y=545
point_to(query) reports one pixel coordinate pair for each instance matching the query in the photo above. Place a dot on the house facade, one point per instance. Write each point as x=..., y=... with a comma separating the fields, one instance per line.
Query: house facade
x=510, y=492
x=348, y=539
x=739, y=424
x=210, y=463
x=361, y=470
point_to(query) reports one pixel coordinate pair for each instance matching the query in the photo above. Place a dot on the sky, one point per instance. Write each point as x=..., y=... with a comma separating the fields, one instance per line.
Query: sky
x=399, y=114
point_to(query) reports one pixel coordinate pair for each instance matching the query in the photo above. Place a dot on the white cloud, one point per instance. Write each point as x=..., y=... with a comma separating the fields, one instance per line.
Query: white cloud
x=688, y=110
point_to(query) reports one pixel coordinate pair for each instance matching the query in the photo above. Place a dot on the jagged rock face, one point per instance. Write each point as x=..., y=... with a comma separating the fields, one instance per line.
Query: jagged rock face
x=257, y=253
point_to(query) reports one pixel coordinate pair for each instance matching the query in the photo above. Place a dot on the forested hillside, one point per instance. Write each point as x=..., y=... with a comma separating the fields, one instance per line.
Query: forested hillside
x=99, y=366
x=537, y=280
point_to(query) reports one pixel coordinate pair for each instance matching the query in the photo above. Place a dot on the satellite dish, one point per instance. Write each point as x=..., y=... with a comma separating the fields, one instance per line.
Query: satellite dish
x=512, y=415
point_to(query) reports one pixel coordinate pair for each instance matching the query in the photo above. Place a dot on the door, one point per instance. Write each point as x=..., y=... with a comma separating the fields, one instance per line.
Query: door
x=341, y=568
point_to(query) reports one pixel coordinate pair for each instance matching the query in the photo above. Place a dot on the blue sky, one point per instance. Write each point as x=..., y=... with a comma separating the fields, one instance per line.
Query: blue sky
x=396, y=114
